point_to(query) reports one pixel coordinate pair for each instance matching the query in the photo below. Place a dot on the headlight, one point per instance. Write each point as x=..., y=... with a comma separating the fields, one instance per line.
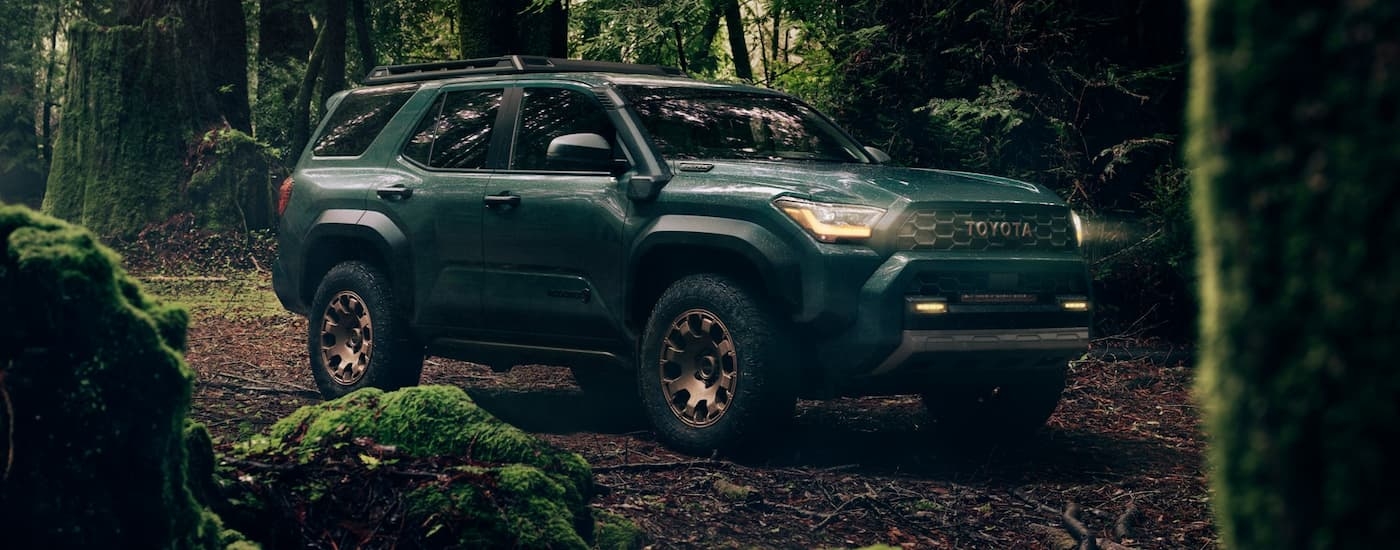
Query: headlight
x=1078, y=228
x=830, y=223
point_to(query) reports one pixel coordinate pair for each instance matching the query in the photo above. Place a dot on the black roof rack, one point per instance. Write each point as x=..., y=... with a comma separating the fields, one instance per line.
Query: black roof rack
x=508, y=64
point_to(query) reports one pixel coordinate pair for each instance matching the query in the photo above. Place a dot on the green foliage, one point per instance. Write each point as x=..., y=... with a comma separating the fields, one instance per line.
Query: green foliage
x=410, y=31
x=90, y=367
x=641, y=32
x=1294, y=156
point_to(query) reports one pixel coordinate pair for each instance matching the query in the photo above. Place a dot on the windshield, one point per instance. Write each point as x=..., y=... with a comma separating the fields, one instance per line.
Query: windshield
x=696, y=123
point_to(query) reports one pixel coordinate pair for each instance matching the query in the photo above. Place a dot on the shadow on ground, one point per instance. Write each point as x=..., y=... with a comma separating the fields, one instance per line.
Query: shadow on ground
x=871, y=435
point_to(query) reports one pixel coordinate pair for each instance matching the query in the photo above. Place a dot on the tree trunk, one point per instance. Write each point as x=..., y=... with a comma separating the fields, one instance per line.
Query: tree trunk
x=139, y=101
x=363, y=43
x=1293, y=139
x=704, y=58
x=301, y=106
x=738, y=47
x=489, y=28
x=484, y=27
x=333, y=78
x=21, y=172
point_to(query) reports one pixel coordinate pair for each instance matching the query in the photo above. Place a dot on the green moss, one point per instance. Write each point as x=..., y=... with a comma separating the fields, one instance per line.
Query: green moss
x=136, y=82
x=615, y=532
x=100, y=397
x=229, y=187
x=1294, y=156
x=516, y=490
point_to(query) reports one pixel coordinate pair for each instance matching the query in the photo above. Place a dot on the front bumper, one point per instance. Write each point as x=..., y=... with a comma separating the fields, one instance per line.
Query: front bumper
x=887, y=347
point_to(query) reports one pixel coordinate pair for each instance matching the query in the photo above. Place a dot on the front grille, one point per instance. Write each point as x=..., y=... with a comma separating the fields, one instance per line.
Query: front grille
x=976, y=228
x=956, y=284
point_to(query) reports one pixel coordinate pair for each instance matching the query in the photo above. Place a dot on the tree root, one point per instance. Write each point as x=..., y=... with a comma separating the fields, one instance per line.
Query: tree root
x=1073, y=534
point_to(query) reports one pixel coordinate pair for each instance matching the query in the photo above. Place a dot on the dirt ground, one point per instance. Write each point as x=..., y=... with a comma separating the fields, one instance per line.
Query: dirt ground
x=1125, y=446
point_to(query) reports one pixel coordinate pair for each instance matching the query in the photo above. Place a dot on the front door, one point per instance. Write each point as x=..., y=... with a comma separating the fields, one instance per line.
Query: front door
x=552, y=234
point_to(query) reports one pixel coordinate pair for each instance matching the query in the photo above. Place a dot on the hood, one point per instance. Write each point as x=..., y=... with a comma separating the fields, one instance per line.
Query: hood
x=874, y=185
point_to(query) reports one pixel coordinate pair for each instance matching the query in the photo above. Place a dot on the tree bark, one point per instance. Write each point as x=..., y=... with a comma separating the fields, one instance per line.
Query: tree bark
x=704, y=58
x=738, y=46
x=1295, y=159
x=301, y=106
x=139, y=99
x=363, y=43
x=333, y=77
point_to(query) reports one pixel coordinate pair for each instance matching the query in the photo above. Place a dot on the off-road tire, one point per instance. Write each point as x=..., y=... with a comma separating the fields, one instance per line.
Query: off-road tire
x=1007, y=412
x=363, y=302
x=762, y=391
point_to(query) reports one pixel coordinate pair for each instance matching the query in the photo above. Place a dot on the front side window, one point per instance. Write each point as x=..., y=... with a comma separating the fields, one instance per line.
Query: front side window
x=455, y=133
x=547, y=113
x=696, y=123
x=358, y=119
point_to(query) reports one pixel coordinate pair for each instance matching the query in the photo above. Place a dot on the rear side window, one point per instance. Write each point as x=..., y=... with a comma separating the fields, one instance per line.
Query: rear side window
x=358, y=119
x=455, y=134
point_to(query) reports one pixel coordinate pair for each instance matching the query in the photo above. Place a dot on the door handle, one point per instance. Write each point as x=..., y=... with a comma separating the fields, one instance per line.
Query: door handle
x=504, y=198
x=394, y=192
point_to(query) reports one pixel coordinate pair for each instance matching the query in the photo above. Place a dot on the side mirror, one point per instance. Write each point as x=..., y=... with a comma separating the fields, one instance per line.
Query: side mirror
x=880, y=157
x=580, y=152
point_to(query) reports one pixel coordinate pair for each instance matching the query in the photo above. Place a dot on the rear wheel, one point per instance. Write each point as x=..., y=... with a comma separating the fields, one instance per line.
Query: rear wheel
x=995, y=412
x=717, y=368
x=357, y=336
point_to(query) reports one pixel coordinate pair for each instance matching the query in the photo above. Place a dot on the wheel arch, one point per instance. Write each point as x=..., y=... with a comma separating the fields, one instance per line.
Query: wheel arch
x=369, y=237
x=676, y=246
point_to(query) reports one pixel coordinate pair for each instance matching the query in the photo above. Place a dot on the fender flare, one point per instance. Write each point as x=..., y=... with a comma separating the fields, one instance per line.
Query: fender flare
x=772, y=256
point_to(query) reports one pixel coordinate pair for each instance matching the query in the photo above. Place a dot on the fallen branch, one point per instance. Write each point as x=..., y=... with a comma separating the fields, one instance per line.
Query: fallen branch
x=241, y=378
x=194, y=278
x=644, y=466
x=835, y=513
x=1070, y=519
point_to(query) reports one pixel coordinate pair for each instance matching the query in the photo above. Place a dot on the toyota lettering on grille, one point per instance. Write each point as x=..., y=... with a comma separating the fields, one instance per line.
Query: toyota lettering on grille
x=987, y=229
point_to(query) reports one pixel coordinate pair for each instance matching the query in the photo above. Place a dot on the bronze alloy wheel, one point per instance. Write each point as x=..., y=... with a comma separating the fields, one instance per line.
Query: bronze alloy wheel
x=346, y=338
x=699, y=368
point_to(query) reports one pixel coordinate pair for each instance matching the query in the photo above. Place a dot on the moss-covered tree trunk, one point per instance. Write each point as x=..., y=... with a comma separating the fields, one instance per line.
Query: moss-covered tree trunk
x=489, y=28
x=140, y=97
x=1294, y=114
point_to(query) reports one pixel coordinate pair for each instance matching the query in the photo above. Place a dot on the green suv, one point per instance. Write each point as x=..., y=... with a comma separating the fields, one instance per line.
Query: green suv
x=710, y=251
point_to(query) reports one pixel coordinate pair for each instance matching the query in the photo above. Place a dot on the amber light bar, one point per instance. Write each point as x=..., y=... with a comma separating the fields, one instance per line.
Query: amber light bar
x=1074, y=303
x=927, y=306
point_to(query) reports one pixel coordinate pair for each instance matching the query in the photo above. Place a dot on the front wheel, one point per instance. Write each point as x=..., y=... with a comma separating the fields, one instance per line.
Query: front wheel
x=357, y=336
x=717, y=368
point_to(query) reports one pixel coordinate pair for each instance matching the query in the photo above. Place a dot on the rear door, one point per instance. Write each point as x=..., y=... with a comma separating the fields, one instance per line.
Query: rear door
x=440, y=174
x=552, y=235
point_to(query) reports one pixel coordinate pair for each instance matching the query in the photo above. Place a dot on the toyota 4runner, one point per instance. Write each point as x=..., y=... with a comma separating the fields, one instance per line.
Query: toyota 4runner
x=711, y=251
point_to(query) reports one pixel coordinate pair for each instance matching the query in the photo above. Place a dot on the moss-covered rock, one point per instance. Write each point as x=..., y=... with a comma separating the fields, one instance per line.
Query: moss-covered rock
x=229, y=188
x=614, y=532
x=463, y=477
x=96, y=397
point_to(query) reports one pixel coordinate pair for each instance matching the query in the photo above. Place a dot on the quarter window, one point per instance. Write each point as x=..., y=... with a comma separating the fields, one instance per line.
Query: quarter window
x=547, y=113
x=358, y=119
x=455, y=133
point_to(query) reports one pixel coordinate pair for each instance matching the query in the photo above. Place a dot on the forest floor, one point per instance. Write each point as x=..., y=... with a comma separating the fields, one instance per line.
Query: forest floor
x=1125, y=447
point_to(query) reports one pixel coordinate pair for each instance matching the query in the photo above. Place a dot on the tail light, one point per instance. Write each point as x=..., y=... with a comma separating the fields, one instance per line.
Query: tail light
x=284, y=195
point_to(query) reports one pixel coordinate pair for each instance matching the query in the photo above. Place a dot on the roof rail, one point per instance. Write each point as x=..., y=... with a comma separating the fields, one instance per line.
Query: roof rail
x=508, y=64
